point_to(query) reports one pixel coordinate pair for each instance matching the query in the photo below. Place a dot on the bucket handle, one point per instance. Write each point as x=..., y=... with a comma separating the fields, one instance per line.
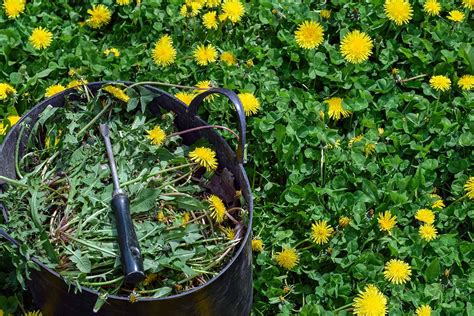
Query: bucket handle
x=234, y=99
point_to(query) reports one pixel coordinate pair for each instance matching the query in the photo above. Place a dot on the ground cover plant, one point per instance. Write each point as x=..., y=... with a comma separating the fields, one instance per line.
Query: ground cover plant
x=361, y=131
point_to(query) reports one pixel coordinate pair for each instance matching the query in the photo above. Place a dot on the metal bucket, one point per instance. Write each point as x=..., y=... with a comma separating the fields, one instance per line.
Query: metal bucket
x=228, y=293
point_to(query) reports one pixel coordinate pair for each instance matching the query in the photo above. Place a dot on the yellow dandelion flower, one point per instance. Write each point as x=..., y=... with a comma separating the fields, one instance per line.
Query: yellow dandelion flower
x=118, y=93
x=335, y=109
x=212, y=3
x=440, y=83
x=49, y=143
x=164, y=54
x=12, y=119
x=205, y=55
x=287, y=258
x=356, y=139
x=428, y=232
x=257, y=245
x=228, y=58
x=13, y=8
x=203, y=86
x=217, y=208
x=183, y=11
x=185, y=97
x=6, y=90
x=150, y=278
x=321, y=115
x=337, y=143
x=432, y=7
x=438, y=201
x=76, y=83
x=228, y=232
x=425, y=215
x=321, y=232
x=33, y=313
x=469, y=188
x=397, y=271
x=233, y=10
x=466, y=82
x=310, y=34
x=205, y=157
x=123, y=2
x=370, y=302
x=456, y=16
x=249, y=63
x=369, y=149
x=133, y=297
x=186, y=218
x=387, y=221
x=356, y=47
x=325, y=14
x=344, y=221
x=438, y=204
x=41, y=38
x=398, y=11
x=157, y=135
x=54, y=89
x=100, y=16
x=250, y=103
x=160, y=217
x=423, y=310
x=209, y=20
x=72, y=72
x=114, y=51
x=468, y=4
x=190, y=10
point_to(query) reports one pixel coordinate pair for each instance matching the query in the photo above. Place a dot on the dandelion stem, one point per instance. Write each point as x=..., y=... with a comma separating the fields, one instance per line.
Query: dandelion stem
x=17, y=151
x=120, y=278
x=302, y=242
x=342, y=308
x=161, y=84
x=413, y=78
x=85, y=243
x=13, y=182
x=92, y=122
x=143, y=178
x=204, y=127
x=458, y=200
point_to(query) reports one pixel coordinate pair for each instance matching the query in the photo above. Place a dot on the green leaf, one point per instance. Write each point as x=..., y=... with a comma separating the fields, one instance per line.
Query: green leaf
x=189, y=203
x=43, y=73
x=146, y=96
x=145, y=201
x=163, y=291
x=101, y=299
x=82, y=262
x=433, y=270
x=132, y=104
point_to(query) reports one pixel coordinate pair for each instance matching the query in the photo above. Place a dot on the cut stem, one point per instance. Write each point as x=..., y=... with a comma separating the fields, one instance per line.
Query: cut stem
x=13, y=182
x=204, y=127
x=161, y=84
x=143, y=178
x=92, y=122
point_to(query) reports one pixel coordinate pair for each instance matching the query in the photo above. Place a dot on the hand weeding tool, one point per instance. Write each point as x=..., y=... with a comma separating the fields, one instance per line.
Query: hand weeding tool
x=132, y=261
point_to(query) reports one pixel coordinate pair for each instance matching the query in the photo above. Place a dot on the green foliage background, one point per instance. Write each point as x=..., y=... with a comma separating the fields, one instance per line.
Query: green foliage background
x=297, y=174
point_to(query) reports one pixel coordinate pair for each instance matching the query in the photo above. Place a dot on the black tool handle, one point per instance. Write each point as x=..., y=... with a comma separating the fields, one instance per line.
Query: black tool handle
x=131, y=257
